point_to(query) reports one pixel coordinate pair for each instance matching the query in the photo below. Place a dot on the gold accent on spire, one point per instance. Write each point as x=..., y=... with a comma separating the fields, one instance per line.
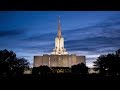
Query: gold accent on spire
x=59, y=28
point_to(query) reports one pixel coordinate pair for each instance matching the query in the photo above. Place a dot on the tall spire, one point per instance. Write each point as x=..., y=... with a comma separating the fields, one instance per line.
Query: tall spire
x=59, y=28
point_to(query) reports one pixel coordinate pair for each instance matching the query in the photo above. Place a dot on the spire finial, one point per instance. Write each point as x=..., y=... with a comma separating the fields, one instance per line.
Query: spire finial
x=59, y=28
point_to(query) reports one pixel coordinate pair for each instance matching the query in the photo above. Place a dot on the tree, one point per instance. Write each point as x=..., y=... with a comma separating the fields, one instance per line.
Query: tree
x=79, y=68
x=41, y=70
x=11, y=65
x=118, y=52
x=100, y=64
x=18, y=66
x=108, y=64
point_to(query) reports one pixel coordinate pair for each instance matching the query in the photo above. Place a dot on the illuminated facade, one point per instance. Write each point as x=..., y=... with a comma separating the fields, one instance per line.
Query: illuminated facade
x=59, y=43
x=58, y=60
x=59, y=57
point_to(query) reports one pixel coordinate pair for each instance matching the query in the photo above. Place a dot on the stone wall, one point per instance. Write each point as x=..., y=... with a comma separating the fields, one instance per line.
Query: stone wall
x=58, y=60
x=37, y=61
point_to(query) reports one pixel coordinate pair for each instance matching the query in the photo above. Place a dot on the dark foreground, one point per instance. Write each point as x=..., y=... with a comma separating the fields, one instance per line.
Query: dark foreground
x=64, y=76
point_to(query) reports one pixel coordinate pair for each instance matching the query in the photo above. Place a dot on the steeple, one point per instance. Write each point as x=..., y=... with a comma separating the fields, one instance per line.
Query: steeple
x=59, y=28
x=59, y=42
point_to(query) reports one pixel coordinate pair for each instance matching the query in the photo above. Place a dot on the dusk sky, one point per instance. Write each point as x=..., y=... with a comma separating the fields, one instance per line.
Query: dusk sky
x=89, y=33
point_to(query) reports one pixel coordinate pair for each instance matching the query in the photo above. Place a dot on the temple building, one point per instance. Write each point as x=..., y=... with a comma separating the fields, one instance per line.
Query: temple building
x=59, y=57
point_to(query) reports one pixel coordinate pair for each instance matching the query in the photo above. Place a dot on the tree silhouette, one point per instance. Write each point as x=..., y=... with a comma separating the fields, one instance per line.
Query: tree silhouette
x=118, y=52
x=108, y=64
x=79, y=68
x=41, y=70
x=10, y=65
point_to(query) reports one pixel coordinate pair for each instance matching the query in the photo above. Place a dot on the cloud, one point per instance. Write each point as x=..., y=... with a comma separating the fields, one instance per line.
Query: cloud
x=104, y=35
x=110, y=22
x=96, y=44
x=39, y=48
x=41, y=37
x=11, y=33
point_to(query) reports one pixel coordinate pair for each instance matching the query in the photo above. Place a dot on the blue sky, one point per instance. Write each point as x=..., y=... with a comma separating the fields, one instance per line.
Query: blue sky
x=89, y=33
